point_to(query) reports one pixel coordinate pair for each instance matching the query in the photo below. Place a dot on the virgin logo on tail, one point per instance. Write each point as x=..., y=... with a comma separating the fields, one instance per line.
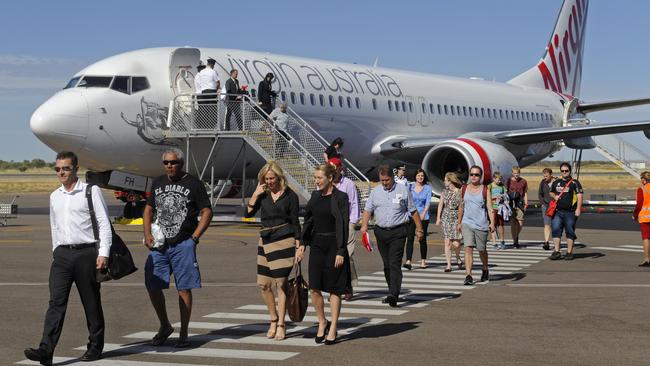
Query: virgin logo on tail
x=561, y=67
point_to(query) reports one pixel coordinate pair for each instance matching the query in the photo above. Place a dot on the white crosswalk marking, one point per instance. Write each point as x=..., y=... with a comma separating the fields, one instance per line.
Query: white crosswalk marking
x=70, y=361
x=234, y=338
x=313, y=319
x=344, y=310
x=420, y=288
x=196, y=352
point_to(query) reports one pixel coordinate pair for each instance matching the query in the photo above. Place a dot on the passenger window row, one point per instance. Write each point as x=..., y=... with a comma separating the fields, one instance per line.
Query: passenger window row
x=321, y=100
x=465, y=111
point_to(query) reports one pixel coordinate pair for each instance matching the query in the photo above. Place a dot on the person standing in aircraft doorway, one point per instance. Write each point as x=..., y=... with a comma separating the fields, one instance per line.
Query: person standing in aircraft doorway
x=209, y=84
x=518, y=194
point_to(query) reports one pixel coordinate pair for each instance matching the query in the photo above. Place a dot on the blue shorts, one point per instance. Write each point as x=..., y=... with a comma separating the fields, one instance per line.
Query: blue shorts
x=179, y=259
x=564, y=221
x=547, y=219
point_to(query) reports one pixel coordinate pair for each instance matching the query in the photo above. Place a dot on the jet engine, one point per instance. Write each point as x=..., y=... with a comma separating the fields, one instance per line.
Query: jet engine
x=458, y=155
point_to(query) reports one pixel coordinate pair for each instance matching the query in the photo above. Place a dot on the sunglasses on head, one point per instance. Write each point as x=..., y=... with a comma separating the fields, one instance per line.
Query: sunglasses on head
x=170, y=162
x=474, y=174
x=64, y=168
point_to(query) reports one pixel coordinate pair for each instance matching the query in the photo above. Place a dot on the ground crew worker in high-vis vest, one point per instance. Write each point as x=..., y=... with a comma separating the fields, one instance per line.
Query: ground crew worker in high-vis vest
x=642, y=215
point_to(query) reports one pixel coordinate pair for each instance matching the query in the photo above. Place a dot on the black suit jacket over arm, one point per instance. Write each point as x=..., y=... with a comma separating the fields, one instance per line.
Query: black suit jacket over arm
x=341, y=212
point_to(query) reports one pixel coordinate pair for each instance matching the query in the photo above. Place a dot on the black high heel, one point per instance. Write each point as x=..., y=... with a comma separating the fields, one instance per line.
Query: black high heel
x=328, y=342
x=319, y=339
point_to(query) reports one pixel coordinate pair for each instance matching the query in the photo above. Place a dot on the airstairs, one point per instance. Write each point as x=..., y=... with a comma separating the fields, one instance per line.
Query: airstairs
x=627, y=156
x=298, y=149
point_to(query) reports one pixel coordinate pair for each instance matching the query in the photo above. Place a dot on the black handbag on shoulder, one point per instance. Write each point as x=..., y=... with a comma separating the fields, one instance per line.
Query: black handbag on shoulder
x=120, y=261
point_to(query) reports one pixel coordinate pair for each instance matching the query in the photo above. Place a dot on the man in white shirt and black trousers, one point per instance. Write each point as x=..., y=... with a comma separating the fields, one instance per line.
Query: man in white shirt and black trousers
x=77, y=256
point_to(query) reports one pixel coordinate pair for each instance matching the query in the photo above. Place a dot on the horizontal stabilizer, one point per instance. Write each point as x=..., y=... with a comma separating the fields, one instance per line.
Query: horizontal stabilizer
x=535, y=135
x=595, y=107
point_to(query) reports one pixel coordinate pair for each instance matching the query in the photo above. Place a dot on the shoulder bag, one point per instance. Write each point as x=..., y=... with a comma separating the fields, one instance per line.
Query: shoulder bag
x=552, y=205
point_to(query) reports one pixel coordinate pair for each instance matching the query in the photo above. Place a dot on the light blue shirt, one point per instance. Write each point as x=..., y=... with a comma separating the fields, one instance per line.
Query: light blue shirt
x=392, y=206
x=422, y=200
x=474, y=211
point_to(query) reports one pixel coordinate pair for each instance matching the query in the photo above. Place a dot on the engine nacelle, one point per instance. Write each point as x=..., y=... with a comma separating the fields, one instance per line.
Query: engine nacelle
x=460, y=154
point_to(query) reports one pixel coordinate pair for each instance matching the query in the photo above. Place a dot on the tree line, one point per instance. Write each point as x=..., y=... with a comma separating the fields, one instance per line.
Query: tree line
x=25, y=164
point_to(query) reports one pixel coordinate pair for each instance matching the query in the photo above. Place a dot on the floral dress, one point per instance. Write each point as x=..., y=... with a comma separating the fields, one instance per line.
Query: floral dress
x=450, y=214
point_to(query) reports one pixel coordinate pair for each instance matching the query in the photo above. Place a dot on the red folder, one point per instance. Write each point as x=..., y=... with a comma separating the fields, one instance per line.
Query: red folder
x=365, y=238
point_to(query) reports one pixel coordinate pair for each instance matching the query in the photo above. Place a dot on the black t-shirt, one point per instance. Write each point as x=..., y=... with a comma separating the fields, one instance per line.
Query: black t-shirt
x=569, y=199
x=177, y=205
x=332, y=152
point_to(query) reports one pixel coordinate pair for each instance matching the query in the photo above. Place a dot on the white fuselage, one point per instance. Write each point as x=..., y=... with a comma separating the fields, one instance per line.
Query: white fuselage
x=117, y=130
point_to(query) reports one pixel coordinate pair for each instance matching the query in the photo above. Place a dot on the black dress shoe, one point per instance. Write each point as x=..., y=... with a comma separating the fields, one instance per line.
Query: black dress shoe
x=40, y=355
x=91, y=355
x=408, y=266
x=392, y=301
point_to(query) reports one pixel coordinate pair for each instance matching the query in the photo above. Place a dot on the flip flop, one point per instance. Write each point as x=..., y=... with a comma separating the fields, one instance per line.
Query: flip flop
x=161, y=337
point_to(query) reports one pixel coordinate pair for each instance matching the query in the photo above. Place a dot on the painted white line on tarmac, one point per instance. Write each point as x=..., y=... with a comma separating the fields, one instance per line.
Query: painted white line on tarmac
x=70, y=361
x=619, y=249
x=407, y=285
x=344, y=310
x=231, y=327
x=196, y=352
x=574, y=285
x=405, y=291
x=222, y=338
x=412, y=280
x=632, y=246
x=313, y=319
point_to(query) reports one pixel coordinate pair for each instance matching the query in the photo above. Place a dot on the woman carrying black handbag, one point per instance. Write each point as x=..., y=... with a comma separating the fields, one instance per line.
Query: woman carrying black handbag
x=325, y=230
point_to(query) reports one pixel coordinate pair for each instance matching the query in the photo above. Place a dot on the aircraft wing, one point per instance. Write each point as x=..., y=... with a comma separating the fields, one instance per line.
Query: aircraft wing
x=595, y=107
x=534, y=135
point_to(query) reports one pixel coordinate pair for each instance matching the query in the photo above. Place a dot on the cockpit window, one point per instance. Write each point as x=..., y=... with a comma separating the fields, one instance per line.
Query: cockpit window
x=139, y=83
x=95, y=82
x=73, y=82
x=121, y=84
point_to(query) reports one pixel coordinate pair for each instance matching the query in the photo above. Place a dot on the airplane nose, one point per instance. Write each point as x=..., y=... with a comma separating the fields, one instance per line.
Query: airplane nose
x=62, y=121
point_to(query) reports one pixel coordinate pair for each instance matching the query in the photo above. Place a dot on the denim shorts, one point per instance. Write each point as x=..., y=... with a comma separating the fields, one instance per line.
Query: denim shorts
x=179, y=259
x=547, y=219
x=564, y=221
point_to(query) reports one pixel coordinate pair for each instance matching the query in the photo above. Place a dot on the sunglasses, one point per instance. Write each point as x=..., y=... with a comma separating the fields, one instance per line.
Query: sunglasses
x=565, y=171
x=64, y=168
x=171, y=162
x=474, y=174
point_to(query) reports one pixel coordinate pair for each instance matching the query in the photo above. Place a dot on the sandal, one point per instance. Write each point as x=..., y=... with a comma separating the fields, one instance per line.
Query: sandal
x=448, y=269
x=423, y=265
x=162, y=336
x=270, y=335
x=279, y=337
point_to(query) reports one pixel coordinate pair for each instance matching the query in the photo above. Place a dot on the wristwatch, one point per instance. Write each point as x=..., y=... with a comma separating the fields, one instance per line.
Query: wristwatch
x=196, y=239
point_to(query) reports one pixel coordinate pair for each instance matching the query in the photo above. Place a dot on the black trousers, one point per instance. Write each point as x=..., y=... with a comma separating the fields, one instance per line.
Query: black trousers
x=234, y=108
x=267, y=107
x=208, y=110
x=391, y=247
x=73, y=266
x=411, y=238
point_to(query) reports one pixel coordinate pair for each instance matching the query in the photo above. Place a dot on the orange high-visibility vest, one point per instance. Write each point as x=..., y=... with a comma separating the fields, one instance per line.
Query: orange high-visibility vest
x=644, y=214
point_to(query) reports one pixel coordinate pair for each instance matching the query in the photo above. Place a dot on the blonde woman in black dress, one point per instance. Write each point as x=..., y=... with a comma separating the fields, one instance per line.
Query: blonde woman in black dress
x=325, y=230
x=279, y=238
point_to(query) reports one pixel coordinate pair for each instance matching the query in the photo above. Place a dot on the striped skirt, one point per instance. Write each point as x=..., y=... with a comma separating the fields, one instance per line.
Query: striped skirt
x=275, y=261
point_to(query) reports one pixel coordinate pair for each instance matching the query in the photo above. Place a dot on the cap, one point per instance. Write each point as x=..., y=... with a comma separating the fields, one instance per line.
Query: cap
x=336, y=162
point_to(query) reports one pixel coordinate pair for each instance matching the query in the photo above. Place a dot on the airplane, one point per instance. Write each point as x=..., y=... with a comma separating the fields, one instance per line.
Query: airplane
x=113, y=113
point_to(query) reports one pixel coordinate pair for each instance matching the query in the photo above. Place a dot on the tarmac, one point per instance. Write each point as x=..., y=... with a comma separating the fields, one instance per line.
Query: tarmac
x=533, y=311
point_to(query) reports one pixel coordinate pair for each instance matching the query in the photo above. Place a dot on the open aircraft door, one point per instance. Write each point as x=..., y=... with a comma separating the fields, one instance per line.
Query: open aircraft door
x=182, y=69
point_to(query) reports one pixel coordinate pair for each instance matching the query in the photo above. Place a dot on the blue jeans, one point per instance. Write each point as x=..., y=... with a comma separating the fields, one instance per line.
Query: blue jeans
x=564, y=220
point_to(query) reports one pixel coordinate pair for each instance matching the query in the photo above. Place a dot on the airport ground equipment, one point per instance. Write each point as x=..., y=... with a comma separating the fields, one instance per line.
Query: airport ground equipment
x=8, y=211
x=201, y=119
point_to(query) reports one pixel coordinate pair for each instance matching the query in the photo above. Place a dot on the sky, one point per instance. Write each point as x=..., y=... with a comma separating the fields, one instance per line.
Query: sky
x=498, y=39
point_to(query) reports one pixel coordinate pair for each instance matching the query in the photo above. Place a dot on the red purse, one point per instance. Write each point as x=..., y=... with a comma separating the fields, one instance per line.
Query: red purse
x=552, y=206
